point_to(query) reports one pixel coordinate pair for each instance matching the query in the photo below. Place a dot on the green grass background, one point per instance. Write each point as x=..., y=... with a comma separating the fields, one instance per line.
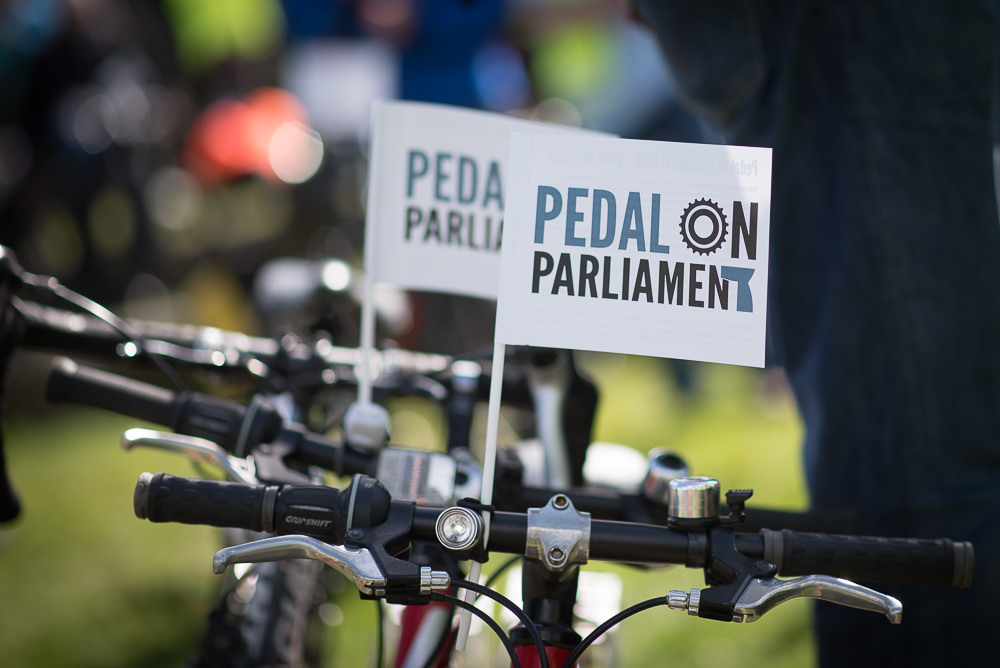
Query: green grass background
x=84, y=583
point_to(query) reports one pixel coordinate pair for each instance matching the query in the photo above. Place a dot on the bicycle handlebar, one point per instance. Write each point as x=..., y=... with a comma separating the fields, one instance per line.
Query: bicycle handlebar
x=235, y=427
x=240, y=429
x=230, y=424
x=330, y=514
x=275, y=363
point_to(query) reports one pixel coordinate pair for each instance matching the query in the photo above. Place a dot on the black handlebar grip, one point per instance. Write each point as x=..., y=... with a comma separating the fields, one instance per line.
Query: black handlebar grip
x=71, y=383
x=312, y=449
x=161, y=497
x=939, y=562
x=314, y=510
x=233, y=426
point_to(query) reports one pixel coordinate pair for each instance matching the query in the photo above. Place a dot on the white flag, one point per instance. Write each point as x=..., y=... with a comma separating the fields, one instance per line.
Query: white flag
x=436, y=196
x=640, y=247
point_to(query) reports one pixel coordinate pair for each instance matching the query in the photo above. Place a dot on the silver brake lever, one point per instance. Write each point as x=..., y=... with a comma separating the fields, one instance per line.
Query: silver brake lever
x=199, y=450
x=761, y=596
x=357, y=564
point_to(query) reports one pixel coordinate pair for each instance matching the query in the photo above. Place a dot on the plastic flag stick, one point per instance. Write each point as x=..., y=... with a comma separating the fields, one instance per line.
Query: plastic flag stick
x=489, y=470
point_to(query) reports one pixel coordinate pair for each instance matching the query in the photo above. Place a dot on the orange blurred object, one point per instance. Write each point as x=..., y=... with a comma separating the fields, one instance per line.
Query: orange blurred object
x=232, y=138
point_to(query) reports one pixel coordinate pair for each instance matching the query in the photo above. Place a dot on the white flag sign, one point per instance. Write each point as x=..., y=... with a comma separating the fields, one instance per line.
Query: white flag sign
x=436, y=196
x=641, y=247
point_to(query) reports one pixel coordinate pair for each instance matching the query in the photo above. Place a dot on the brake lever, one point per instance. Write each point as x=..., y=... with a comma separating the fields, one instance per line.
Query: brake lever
x=198, y=450
x=762, y=595
x=357, y=564
x=742, y=587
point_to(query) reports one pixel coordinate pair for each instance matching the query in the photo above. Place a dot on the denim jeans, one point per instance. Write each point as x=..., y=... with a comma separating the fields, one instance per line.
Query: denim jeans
x=884, y=303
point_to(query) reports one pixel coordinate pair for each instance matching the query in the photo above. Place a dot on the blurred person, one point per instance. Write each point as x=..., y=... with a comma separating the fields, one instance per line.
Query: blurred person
x=93, y=104
x=589, y=55
x=447, y=52
x=884, y=306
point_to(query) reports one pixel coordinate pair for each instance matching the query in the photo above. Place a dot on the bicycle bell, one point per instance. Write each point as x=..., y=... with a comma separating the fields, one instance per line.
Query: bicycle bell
x=693, y=501
x=663, y=466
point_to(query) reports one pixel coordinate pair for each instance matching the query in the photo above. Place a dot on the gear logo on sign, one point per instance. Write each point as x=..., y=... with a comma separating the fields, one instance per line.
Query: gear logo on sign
x=703, y=226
